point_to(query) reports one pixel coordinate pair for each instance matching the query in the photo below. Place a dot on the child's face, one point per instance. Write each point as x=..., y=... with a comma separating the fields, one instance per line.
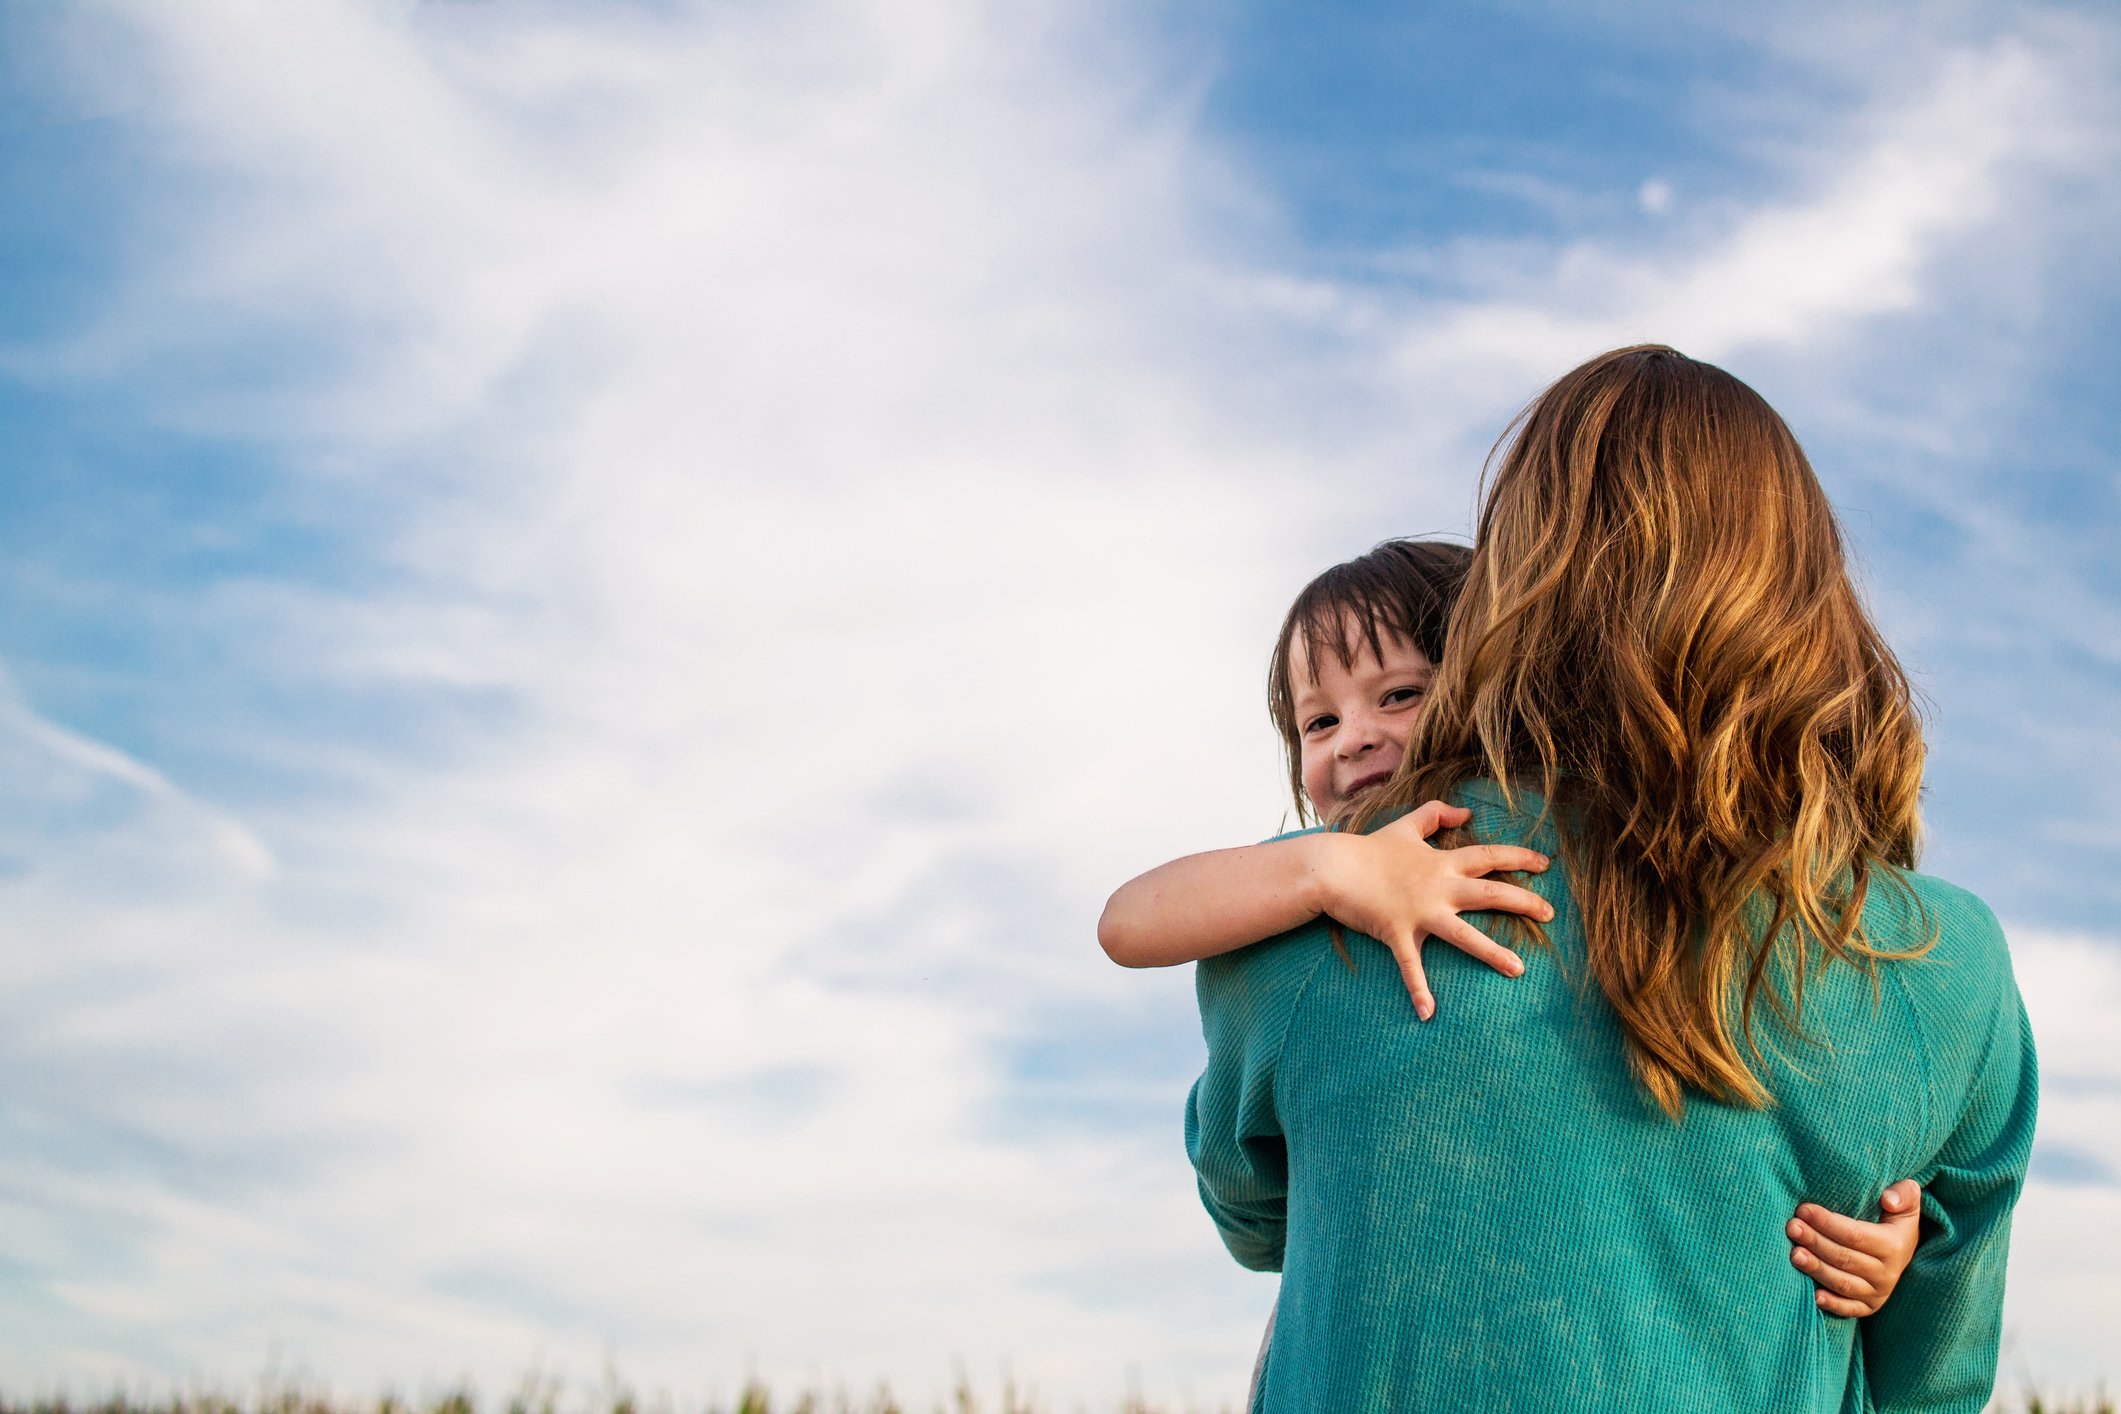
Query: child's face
x=1353, y=723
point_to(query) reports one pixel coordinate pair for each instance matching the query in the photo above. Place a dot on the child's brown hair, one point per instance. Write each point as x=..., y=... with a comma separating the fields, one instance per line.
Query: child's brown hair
x=1407, y=587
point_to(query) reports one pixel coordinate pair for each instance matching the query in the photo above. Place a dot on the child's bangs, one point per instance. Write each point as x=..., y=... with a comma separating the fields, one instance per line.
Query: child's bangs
x=1349, y=619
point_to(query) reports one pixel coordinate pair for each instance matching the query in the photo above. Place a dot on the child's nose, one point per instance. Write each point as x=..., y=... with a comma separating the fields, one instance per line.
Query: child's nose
x=1357, y=735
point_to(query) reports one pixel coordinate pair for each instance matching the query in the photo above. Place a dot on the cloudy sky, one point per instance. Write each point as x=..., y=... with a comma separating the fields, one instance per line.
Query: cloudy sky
x=593, y=595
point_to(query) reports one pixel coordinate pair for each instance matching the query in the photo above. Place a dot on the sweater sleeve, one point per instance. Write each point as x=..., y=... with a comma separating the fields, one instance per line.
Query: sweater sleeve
x=1933, y=1346
x=1234, y=1133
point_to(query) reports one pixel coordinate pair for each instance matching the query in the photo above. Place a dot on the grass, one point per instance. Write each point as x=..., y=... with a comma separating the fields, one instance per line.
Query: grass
x=2034, y=1403
x=544, y=1398
x=754, y=1398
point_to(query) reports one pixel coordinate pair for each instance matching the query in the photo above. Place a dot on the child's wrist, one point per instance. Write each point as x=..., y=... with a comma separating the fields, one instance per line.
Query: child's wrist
x=1323, y=856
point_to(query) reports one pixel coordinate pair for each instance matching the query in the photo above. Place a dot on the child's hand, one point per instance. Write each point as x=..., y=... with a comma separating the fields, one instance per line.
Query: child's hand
x=1397, y=887
x=1857, y=1264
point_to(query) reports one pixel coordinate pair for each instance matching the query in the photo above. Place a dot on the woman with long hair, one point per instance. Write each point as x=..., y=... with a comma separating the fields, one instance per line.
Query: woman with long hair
x=1566, y=1190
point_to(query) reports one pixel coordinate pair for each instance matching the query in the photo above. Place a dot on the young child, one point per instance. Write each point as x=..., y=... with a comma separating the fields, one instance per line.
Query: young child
x=1350, y=667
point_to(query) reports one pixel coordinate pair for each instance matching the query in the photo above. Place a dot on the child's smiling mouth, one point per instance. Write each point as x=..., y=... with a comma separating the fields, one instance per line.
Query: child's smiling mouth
x=1363, y=783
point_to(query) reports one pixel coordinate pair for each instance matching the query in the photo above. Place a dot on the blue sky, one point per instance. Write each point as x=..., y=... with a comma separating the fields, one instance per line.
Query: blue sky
x=592, y=597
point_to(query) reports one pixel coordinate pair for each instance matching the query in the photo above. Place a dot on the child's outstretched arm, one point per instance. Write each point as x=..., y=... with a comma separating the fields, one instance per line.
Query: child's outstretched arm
x=1857, y=1264
x=1391, y=884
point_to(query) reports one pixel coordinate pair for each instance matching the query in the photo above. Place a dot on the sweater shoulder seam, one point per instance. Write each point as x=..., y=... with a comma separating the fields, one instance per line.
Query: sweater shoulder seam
x=1281, y=1042
x=1919, y=1030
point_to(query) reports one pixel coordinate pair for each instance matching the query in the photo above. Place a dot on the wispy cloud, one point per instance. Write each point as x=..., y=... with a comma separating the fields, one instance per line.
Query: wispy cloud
x=2065, y=1278
x=1792, y=274
x=67, y=792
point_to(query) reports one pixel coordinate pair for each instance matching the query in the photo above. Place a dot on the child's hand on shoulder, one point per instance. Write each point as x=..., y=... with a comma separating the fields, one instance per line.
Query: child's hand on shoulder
x=1857, y=1264
x=1401, y=890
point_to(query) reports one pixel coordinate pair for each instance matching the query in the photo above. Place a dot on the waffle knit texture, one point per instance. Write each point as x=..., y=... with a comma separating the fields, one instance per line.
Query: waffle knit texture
x=1487, y=1211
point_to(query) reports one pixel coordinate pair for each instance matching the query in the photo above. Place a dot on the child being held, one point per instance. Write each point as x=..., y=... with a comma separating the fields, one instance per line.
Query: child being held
x=1350, y=668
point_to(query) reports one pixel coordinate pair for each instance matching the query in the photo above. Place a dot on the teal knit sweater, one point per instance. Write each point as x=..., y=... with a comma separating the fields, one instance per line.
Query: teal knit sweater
x=1485, y=1211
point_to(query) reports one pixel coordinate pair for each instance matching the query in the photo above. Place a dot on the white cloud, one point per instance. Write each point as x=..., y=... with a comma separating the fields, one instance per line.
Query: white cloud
x=2065, y=1280
x=832, y=444
x=1792, y=273
x=800, y=463
x=65, y=788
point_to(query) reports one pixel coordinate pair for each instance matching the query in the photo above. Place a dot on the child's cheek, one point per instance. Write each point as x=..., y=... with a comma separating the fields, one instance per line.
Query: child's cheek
x=1318, y=786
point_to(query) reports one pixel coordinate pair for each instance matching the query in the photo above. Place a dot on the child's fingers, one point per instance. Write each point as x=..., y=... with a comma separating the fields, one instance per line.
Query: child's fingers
x=1834, y=1254
x=1902, y=1202
x=1841, y=1306
x=1477, y=859
x=1831, y=1278
x=1477, y=945
x=1408, y=953
x=1434, y=815
x=1472, y=895
x=1872, y=1239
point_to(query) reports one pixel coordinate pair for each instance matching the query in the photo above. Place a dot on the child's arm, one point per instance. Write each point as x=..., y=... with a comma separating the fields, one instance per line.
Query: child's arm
x=1857, y=1264
x=1391, y=884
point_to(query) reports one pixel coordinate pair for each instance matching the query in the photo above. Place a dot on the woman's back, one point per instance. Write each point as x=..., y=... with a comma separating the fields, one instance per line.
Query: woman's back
x=1486, y=1210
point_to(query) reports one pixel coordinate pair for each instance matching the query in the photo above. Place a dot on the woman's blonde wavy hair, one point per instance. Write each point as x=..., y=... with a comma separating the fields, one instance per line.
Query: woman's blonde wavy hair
x=1658, y=632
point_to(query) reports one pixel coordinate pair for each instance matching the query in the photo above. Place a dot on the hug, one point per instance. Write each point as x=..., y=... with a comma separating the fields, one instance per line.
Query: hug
x=1629, y=1161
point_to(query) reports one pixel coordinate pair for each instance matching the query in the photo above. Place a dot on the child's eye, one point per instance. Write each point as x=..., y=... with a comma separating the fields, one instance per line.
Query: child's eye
x=1319, y=724
x=1400, y=696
